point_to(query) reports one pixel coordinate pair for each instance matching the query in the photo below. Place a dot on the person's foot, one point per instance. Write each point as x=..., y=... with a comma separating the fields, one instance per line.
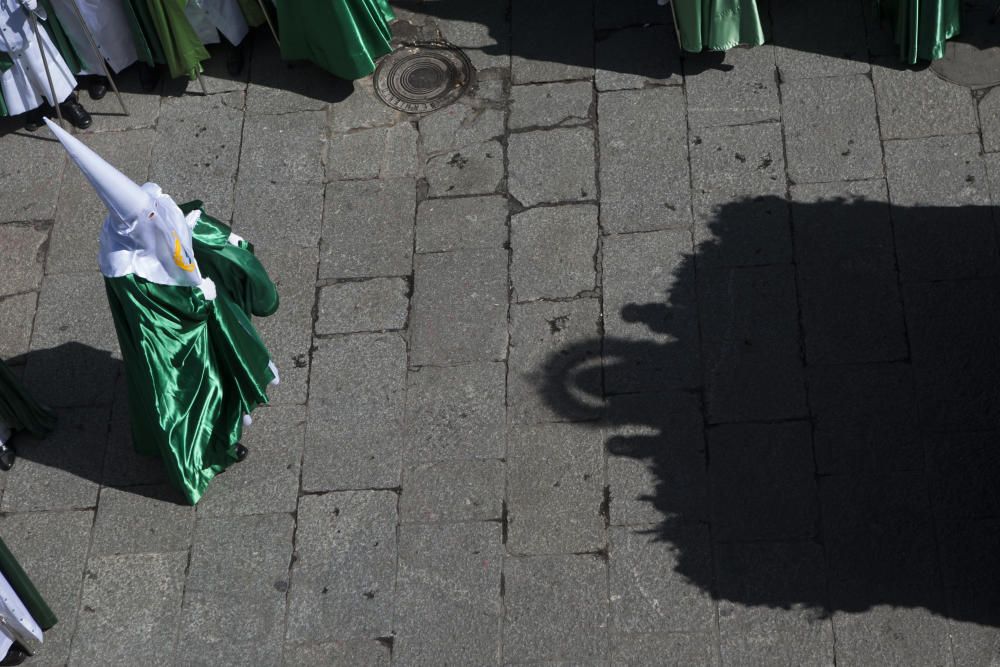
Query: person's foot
x=149, y=76
x=241, y=452
x=33, y=119
x=7, y=456
x=74, y=112
x=15, y=656
x=97, y=87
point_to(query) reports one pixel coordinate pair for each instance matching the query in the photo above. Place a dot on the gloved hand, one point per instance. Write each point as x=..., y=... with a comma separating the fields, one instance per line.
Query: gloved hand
x=208, y=289
x=30, y=5
x=235, y=239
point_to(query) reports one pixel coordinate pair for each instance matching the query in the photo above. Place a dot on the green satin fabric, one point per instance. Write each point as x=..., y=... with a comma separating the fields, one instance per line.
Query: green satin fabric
x=182, y=50
x=252, y=12
x=344, y=37
x=19, y=410
x=922, y=27
x=25, y=589
x=195, y=367
x=717, y=25
x=144, y=32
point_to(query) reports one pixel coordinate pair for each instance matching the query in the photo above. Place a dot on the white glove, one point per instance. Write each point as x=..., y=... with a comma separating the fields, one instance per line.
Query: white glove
x=208, y=289
x=235, y=239
x=30, y=5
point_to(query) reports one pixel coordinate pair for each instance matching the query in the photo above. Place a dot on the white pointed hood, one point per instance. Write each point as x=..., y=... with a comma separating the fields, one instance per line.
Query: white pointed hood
x=123, y=197
x=145, y=233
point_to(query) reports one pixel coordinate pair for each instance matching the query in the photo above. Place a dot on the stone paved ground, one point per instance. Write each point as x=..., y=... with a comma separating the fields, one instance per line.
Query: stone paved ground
x=623, y=359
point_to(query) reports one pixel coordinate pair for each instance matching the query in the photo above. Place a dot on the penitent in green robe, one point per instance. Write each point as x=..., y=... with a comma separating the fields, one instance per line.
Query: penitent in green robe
x=194, y=367
x=921, y=27
x=19, y=410
x=717, y=25
x=344, y=37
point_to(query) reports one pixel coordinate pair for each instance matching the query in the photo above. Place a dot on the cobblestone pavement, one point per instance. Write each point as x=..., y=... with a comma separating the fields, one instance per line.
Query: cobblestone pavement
x=622, y=359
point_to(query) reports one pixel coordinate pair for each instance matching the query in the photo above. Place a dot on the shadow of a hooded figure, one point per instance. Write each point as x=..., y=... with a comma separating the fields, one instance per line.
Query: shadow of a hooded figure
x=808, y=419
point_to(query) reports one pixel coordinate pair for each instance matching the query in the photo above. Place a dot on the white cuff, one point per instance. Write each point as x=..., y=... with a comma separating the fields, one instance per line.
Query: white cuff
x=235, y=239
x=207, y=288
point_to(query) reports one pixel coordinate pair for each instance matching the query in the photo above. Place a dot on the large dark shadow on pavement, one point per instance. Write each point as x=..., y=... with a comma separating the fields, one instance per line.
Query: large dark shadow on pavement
x=825, y=429
x=92, y=440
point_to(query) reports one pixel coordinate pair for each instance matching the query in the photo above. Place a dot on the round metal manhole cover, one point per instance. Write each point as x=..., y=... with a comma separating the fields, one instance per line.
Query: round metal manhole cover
x=422, y=77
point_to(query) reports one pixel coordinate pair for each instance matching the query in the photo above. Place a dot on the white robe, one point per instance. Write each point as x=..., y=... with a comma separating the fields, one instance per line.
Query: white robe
x=24, y=85
x=108, y=25
x=210, y=17
x=16, y=623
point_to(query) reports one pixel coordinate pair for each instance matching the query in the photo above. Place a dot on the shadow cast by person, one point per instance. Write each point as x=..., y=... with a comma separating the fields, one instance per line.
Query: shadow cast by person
x=638, y=37
x=85, y=388
x=815, y=404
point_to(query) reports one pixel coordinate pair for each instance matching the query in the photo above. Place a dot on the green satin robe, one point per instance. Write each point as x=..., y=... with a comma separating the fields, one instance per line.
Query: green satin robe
x=194, y=367
x=147, y=41
x=182, y=50
x=344, y=37
x=19, y=410
x=921, y=27
x=717, y=25
x=25, y=589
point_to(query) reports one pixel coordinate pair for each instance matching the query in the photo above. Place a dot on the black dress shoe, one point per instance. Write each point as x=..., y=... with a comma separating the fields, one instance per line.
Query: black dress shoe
x=15, y=656
x=97, y=88
x=149, y=76
x=241, y=452
x=7, y=456
x=74, y=112
x=33, y=119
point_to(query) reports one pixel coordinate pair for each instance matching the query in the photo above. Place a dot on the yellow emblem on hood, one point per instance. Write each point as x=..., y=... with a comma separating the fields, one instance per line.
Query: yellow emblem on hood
x=179, y=256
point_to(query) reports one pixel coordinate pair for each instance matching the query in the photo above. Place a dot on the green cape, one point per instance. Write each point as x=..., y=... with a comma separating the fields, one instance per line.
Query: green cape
x=344, y=37
x=194, y=367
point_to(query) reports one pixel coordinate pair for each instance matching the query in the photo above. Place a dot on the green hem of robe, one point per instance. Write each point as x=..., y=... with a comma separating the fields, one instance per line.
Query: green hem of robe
x=182, y=49
x=344, y=37
x=25, y=589
x=717, y=25
x=921, y=27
